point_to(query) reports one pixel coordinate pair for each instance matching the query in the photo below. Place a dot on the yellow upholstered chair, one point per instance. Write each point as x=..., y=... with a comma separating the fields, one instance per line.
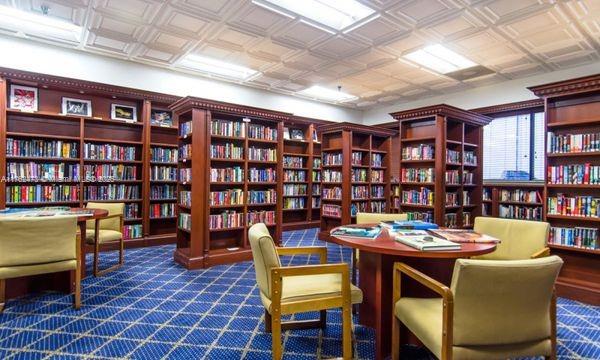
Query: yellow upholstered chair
x=105, y=231
x=494, y=309
x=520, y=239
x=297, y=289
x=39, y=245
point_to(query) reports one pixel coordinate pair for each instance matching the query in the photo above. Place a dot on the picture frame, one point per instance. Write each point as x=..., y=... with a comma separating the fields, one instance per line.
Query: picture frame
x=161, y=118
x=77, y=107
x=297, y=134
x=123, y=112
x=24, y=98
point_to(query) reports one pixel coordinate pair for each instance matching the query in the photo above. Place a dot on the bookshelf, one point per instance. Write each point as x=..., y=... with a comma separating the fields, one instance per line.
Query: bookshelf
x=522, y=201
x=355, y=172
x=572, y=183
x=242, y=148
x=301, y=174
x=55, y=159
x=441, y=164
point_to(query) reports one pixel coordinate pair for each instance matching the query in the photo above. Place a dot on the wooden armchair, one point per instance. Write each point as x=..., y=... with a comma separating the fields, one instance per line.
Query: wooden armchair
x=108, y=230
x=492, y=310
x=297, y=289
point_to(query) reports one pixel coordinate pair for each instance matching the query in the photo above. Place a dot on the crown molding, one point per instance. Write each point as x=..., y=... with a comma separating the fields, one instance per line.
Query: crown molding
x=567, y=87
x=189, y=102
x=373, y=130
x=442, y=110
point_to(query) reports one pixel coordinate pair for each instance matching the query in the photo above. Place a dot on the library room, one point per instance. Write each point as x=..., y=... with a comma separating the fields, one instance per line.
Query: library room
x=316, y=179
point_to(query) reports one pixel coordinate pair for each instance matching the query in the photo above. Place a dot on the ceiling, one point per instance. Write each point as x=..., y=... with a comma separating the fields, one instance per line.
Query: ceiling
x=513, y=38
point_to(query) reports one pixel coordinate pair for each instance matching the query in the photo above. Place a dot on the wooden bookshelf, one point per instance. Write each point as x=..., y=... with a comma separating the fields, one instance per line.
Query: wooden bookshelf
x=513, y=200
x=572, y=108
x=435, y=145
x=205, y=244
x=356, y=158
x=94, y=172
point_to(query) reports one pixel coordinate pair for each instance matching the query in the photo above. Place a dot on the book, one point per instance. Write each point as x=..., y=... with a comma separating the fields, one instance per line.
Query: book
x=370, y=232
x=426, y=242
x=408, y=225
x=464, y=236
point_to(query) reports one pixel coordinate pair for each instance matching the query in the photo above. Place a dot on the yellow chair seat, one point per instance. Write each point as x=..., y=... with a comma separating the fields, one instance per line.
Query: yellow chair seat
x=104, y=236
x=308, y=287
x=36, y=269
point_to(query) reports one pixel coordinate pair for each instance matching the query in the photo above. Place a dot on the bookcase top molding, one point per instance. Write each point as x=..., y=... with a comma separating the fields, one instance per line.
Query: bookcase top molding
x=91, y=88
x=365, y=129
x=443, y=110
x=510, y=107
x=567, y=87
x=189, y=102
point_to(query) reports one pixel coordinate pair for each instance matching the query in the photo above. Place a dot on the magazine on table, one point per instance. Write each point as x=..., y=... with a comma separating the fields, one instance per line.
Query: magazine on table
x=395, y=225
x=369, y=232
x=422, y=240
x=464, y=236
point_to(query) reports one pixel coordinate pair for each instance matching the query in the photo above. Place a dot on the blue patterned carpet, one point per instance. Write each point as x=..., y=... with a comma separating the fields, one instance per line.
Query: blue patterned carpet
x=153, y=309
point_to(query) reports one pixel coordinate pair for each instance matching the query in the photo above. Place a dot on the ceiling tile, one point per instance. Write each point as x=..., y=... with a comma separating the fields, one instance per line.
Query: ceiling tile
x=339, y=47
x=378, y=30
x=301, y=34
x=422, y=12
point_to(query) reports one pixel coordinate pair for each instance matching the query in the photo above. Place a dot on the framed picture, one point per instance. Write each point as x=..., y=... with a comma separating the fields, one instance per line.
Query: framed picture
x=297, y=134
x=78, y=107
x=123, y=112
x=24, y=98
x=161, y=118
x=286, y=133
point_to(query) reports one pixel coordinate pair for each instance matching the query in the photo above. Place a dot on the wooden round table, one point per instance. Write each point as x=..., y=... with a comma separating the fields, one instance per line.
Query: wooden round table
x=377, y=257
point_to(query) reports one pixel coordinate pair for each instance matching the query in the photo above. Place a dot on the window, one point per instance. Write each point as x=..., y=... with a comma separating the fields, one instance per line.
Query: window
x=513, y=148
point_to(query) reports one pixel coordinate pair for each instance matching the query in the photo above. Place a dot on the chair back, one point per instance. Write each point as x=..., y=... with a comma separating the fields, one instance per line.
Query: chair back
x=37, y=240
x=499, y=302
x=376, y=218
x=520, y=239
x=264, y=254
x=109, y=224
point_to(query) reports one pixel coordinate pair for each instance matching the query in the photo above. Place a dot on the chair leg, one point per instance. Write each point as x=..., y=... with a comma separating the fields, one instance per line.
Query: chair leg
x=77, y=295
x=276, y=335
x=354, y=276
x=98, y=272
x=395, y=338
x=2, y=294
x=267, y=321
x=96, y=254
x=323, y=319
x=347, y=330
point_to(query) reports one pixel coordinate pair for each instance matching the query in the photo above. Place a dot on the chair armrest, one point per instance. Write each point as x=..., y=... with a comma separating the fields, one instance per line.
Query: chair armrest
x=120, y=216
x=438, y=287
x=542, y=253
x=320, y=250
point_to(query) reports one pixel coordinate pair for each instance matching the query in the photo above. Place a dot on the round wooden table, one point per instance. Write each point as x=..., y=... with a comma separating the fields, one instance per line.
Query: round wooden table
x=375, y=268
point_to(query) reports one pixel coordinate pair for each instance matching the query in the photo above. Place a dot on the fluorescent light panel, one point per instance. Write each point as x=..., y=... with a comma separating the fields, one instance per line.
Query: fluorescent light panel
x=30, y=23
x=323, y=93
x=336, y=14
x=440, y=59
x=217, y=67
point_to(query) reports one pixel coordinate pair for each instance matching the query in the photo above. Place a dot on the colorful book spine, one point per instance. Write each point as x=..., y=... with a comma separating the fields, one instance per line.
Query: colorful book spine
x=357, y=207
x=163, y=192
x=316, y=163
x=231, y=174
x=426, y=216
x=294, y=190
x=92, y=151
x=227, y=128
x=470, y=158
x=294, y=203
x=520, y=195
x=184, y=221
x=261, y=132
x=131, y=211
x=226, y=151
x=185, y=175
x=377, y=191
x=577, y=174
x=185, y=129
x=453, y=156
x=41, y=193
x=262, y=175
x=357, y=158
x=31, y=171
x=360, y=192
x=226, y=219
x=451, y=199
x=424, y=196
x=378, y=207
x=316, y=190
x=586, y=206
x=262, y=196
x=165, y=155
x=377, y=176
x=334, y=193
x=331, y=175
x=41, y=148
x=418, y=152
x=227, y=197
x=262, y=154
x=468, y=177
x=163, y=173
x=109, y=172
x=359, y=175
x=294, y=175
x=377, y=160
x=185, y=151
x=332, y=159
x=452, y=177
x=580, y=237
x=520, y=212
x=265, y=217
x=185, y=198
x=418, y=175
x=331, y=210
x=293, y=161
x=111, y=192
x=316, y=176
x=132, y=231
x=573, y=143
x=158, y=211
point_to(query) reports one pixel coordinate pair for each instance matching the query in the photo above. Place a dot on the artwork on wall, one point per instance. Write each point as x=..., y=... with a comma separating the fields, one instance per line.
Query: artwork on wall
x=24, y=98
x=161, y=118
x=297, y=134
x=123, y=112
x=79, y=107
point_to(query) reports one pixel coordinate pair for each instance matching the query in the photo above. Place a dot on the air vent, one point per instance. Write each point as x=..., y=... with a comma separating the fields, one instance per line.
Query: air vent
x=469, y=73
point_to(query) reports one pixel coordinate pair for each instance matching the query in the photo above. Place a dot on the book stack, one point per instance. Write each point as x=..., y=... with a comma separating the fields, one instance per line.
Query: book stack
x=581, y=237
x=262, y=154
x=418, y=175
x=108, y=152
x=226, y=151
x=226, y=219
x=262, y=175
x=586, y=206
x=227, y=128
x=574, y=174
x=230, y=174
x=419, y=152
x=573, y=143
x=227, y=197
x=41, y=148
x=265, y=217
x=452, y=177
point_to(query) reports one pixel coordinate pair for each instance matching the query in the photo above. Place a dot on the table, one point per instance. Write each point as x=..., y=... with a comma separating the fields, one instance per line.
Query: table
x=375, y=268
x=62, y=281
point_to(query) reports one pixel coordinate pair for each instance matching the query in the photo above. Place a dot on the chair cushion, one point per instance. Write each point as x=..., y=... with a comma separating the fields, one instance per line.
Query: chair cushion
x=423, y=317
x=264, y=254
x=35, y=269
x=104, y=236
x=113, y=209
x=308, y=287
x=520, y=239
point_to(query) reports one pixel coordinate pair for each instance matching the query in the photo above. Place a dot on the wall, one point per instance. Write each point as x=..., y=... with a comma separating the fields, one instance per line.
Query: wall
x=505, y=92
x=37, y=57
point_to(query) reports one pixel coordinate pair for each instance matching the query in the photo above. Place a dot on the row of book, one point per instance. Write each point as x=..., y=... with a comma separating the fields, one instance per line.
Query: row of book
x=562, y=204
x=316, y=176
x=360, y=192
x=470, y=158
x=426, y=216
x=451, y=220
x=520, y=212
x=112, y=192
x=131, y=211
x=357, y=158
x=581, y=237
x=162, y=192
x=451, y=199
x=359, y=175
x=166, y=155
x=520, y=195
x=316, y=163
x=262, y=196
x=452, y=177
x=227, y=128
x=262, y=154
x=294, y=175
x=334, y=193
x=132, y=231
x=256, y=131
x=226, y=151
x=185, y=175
x=93, y=151
x=378, y=207
x=572, y=143
x=185, y=129
x=423, y=196
x=331, y=210
x=110, y=171
x=163, y=173
x=377, y=191
x=357, y=207
x=293, y=161
x=294, y=203
x=225, y=220
x=418, y=152
x=184, y=221
x=294, y=189
x=230, y=174
x=42, y=172
x=41, y=193
x=466, y=219
x=185, y=198
x=331, y=175
x=452, y=156
x=316, y=190
x=227, y=197
x=418, y=174
x=265, y=216
x=316, y=202
x=377, y=160
x=468, y=177
x=486, y=194
x=165, y=210
x=377, y=176
x=41, y=148
x=262, y=175
x=574, y=174
x=332, y=159
x=185, y=151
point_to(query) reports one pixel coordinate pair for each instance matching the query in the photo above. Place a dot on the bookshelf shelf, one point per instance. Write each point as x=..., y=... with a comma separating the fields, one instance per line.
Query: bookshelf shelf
x=573, y=218
x=573, y=154
x=40, y=136
x=41, y=159
x=574, y=248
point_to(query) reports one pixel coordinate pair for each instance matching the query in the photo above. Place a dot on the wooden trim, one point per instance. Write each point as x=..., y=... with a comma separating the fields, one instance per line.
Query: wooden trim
x=511, y=108
x=442, y=110
x=189, y=102
x=363, y=129
x=296, y=119
x=583, y=84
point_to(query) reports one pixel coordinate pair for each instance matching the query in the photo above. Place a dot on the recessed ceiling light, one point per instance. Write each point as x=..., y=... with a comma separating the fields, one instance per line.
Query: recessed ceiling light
x=336, y=14
x=29, y=23
x=440, y=59
x=323, y=93
x=216, y=67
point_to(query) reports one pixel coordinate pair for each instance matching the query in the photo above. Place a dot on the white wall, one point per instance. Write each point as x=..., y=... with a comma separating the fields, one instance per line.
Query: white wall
x=37, y=57
x=502, y=93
